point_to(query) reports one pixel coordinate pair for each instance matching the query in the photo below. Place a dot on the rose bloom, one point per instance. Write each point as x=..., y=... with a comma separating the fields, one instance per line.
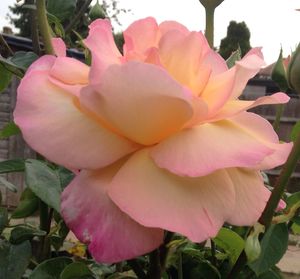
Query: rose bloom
x=159, y=134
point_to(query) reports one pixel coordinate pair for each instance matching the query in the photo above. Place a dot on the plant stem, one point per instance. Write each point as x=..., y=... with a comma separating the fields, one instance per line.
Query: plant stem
x=44, y=26
x=137, y=268
x=34, y=31
x=164, y=250
x=279, y=111
x=213, y=252
x=77, y=16
x=209, y=26
x=281, y=183
x=155, y=267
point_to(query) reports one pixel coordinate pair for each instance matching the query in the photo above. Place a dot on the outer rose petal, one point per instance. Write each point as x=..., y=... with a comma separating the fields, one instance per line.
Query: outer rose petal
x=194, y=207
x=70, y=71
x=102, y=45
x=234, y=107
x=53, y=126
x=169, y=25
x=244, y=141
x=251, y=196
x=42, y=64
x=111, y=234
x=139, y=36
x=142, y=103
x=59, y=47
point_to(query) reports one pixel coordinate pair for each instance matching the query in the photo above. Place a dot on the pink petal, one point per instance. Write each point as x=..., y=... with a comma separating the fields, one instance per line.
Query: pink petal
x=214, y=61
x=139, y=36
x=140, y=101
x=234, y=107
x=102, y=45
x=181, y=55
x=194, y=207
x=246, y=69
x=59, y=47
x=169, y=25
x=111, y=235
x=251, y=196
x=53, y=124
x=70, y=71
x=224, y=144
x=44, y=63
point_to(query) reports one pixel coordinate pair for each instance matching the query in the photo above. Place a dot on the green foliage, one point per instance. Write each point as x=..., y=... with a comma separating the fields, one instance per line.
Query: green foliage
x=14, y=259
x=76, y=270
x=97, y=12
x=295, y=132
x=50, y=269
x=273, y=247
x=28, y=204
x=61, y=9
x=235, y=56
x=10, y=129
x=3, y=218
x=8, y=185
x=238, y=36
x=5, y=77
x=231, y=243
x=22, y=233
x=279, y=74
x=46, y=182
x=15, y=165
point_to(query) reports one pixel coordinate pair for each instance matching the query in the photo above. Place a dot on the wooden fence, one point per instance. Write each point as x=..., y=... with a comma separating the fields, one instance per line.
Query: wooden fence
x=14, y=147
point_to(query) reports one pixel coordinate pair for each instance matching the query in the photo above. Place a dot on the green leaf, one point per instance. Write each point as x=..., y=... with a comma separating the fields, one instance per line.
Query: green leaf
x=273, y=247
x=14, y=259
x=193, y=267
x=22, y=233
x=8, y=166
x=97, y=12
x=62, y=9
x=76, y=270
x=23, y=59
x=28, y=204
x=11, y=67
x=3, y=218
x=278, y=74
x=10, y=129
x=5, y=78
x=235, y=56
x=295, y=228
x=57, y=26
x=230, y=242
x=292, y=200
x=50, y=269
x=295, y=131
x=44, y=181
x=271, y=274
x=252, y=245
x=8, y=185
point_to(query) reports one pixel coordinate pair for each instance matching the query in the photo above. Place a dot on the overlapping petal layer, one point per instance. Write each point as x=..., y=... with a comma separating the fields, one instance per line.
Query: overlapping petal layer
x=55, y=127
x=111, y=234
x=246, y=140
x=143, y=103
x=194, y=207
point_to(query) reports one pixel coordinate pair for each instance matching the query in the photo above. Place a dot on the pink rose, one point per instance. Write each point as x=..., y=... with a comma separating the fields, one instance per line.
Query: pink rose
x=159, y=133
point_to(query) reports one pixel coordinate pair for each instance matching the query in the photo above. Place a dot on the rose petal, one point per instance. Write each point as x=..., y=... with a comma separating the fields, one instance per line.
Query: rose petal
x=194, y=207
x=140, y=36
x=181, y=55
x=234, y=107
x=142, y=103
x=243, y=141
x=251, y=196
x=42, y=64
x=59, y=47
x=54, y=126
x=101, y=43
x=112, y=236
x=70, y=71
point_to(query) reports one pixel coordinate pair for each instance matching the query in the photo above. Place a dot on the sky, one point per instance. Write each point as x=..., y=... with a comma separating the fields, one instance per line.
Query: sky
x=273, y=23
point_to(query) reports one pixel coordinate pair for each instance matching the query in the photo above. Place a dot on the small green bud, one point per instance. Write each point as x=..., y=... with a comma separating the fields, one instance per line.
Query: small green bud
x=211, y=4
x=252, y=245
x=294, y=71
x=97, y=12
x=279, y=75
